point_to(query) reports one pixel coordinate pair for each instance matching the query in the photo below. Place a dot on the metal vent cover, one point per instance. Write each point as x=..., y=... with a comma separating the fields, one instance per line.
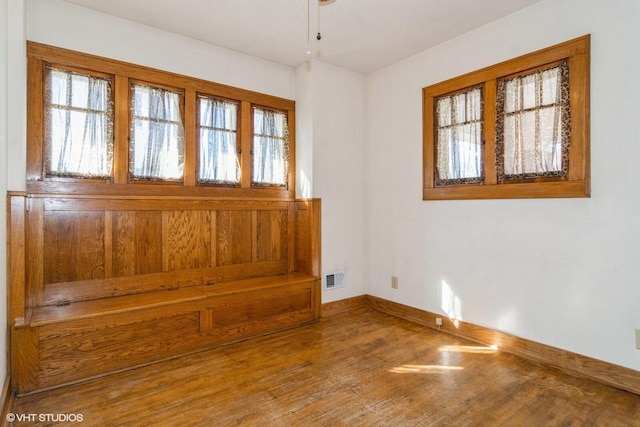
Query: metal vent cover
x=334, y=280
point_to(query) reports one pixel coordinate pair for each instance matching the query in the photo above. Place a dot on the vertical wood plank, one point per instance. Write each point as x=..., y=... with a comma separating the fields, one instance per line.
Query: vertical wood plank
x=291, y=235
x=308, y=232
x=89, y=245
x=190, y=138
x=302, y=242
x=256, y=232
x=35, y=251
x=489, y=137
x=579, y=156
x=315, y=233
x=291, y=178
x=234, y=237
x=214, y=238
x=108, y=244
x=16, y=248
x=124, y=243
x=246, y=144
x=121, y=130
x=149, y=246
x=25, y=355
x=35, y=119
x=186, y=240
x=428, y=144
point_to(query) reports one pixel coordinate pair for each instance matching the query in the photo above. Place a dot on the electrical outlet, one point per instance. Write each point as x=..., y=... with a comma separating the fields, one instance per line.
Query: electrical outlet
x=638, y=339
x=394, y=282
x=438, y=321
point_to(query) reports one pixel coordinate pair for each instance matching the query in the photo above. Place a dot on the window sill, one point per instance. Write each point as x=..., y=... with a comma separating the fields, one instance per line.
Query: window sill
x=536, y=190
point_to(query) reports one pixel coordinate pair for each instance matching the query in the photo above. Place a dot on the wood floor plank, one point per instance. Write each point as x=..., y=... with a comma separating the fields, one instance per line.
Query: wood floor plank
x=355, y=368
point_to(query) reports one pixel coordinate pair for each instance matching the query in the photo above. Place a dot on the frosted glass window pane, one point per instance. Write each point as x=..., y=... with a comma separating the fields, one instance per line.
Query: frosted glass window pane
x=218, y=150
x=459, y=138
x=78, y=125
x=270, y=147
x=157, y=134
x=534, y=124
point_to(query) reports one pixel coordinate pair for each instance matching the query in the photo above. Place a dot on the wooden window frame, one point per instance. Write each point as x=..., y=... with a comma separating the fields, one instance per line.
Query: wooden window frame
x=239, y=140
x=266, y=185
x=123, y=74
x=87, y=72
x=577, y=183
x=181, y=105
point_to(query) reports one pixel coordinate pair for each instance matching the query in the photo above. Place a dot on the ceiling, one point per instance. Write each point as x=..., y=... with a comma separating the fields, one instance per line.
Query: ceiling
x=361, y=35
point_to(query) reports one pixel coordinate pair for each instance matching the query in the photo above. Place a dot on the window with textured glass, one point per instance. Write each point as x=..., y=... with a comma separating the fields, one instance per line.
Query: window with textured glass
x=270, y=147
x=157, y=134
x=534, y=124
x=459, y=137
x=516, y=129
x=78, y=139
x=218, y=148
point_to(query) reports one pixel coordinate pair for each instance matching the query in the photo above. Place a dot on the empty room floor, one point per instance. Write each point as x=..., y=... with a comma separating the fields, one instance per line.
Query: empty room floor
x=355, y=368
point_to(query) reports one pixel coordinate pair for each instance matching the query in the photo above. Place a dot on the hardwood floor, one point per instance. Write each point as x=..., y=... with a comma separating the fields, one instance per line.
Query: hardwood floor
x=354, y=368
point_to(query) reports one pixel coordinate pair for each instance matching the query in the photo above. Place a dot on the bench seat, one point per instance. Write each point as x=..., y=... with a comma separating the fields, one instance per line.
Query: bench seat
x=53, y=314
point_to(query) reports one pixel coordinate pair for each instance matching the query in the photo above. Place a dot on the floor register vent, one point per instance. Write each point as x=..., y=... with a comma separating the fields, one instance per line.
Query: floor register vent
x=334, y=280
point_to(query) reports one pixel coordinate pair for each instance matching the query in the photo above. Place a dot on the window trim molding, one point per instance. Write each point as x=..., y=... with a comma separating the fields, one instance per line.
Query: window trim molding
x=577, y=183
x=123, y=73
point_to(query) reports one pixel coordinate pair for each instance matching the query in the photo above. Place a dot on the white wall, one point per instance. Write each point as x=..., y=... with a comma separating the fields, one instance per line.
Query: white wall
x=12, y=133
x=70, y=26
x=333, y=101
x=3, y=183
x=560, y=272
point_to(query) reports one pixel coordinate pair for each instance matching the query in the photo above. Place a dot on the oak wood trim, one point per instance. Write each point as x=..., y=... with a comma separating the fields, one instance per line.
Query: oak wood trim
x=120, y=170
x=584, y=366
x=156, y=204
x=132, y=303
x=334, y=308
x=246, y=144
x=138, y=72
x=577, y=183
x=35, y=119
x=16, y=248
x=83, y=290
x=190, y=134
x=151, y=190
x=35, y=242
x=122, y=74
x=531, y=190
x=7, y=400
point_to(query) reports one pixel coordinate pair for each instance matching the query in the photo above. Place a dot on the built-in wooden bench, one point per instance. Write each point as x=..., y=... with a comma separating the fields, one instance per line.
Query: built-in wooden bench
x=100, y=284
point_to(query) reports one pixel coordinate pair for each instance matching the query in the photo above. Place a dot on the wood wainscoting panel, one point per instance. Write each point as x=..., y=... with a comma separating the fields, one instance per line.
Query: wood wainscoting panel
x=82, y=349
x=272, y=235
x=604, y=372
x=73, y=246
x=233, y=244
x=100, y=283
x=186, y=242
x=137, y=242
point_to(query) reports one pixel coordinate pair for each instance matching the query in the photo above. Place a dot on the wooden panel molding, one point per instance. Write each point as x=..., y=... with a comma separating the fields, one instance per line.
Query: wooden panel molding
x=598, y=370
x=99, y=284
x=341, y=306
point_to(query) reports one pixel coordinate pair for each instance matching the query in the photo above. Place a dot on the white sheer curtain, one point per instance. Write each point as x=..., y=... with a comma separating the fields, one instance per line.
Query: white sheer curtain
x=78, y=125
x=534, y=124
x=459, y=132
x=218, y=148
x=270, y=147
x=157, y=134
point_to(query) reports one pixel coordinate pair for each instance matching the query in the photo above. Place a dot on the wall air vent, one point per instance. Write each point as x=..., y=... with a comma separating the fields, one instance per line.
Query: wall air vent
x=334, y=280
